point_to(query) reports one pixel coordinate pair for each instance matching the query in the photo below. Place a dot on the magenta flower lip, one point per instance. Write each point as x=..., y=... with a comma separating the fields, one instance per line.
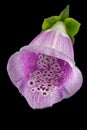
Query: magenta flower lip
x=44, y=71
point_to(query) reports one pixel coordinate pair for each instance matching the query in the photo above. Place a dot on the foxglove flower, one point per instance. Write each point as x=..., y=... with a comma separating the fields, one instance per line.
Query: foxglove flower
x=44, y=71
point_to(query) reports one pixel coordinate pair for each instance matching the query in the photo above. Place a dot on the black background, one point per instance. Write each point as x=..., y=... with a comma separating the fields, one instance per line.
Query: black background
x=20, y=23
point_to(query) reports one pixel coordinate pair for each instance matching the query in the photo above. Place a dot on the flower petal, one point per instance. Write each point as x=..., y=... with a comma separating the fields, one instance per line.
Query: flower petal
x=19, y=66
x=55, y=39
x=17, y=69
x=64, y=45
x=14, y=68
x=48, y=51
x=44, y=38
x=37, y=100
x=73, y=84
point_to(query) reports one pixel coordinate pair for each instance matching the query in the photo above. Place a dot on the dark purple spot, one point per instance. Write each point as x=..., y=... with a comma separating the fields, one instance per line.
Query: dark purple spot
x=31, y=83
x=44, y=93
x=32, y=89
x=44, y=74
x=43, y=88
x=49, y=85
x=38, y=88
x=38, y=80
x=47, y=89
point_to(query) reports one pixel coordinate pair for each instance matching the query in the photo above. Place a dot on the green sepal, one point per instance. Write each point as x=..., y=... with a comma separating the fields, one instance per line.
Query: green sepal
x=49, y=22
x=65, y=13
x=72, y=26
